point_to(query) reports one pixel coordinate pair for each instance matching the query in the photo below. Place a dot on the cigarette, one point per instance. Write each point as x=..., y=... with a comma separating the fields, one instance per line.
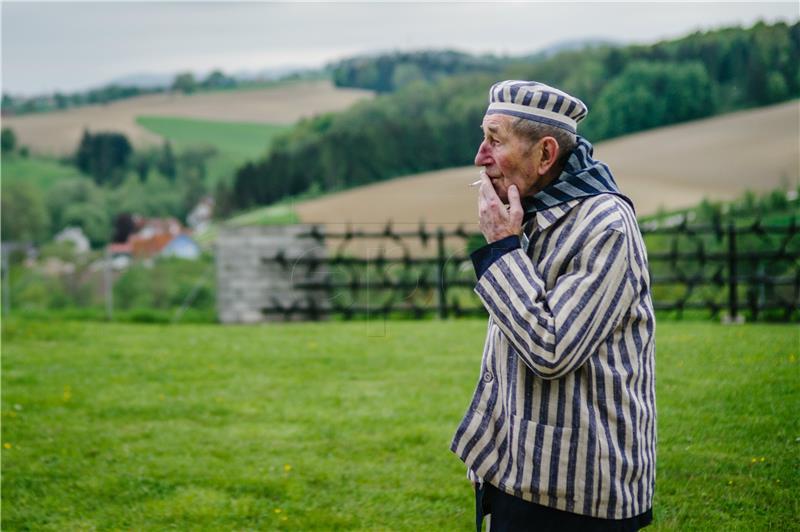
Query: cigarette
x=478, y=182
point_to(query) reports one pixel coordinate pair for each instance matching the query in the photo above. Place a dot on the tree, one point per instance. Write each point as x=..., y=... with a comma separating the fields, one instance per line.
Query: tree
x=185, y=83
x=650, y=94
x=8, y=140
x=161, y=197
x=104, y=156
x=155, y=197
x=141, y=162
x=433, y=125
x=224, y=202
x=405, y=74
x=68, y=192
x=83, y=156
x=777, y=88
x=192, y=176
x=24, y=216
x=124, y=227
x=218, y=80
x=92, y=219
x=166, y=164
x=62, y=102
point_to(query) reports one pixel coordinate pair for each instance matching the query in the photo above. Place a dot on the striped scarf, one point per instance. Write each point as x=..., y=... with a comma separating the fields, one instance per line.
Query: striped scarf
x=582, y=177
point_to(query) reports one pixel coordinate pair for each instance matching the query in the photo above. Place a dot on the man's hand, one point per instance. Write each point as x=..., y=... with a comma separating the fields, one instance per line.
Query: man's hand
x=497, y=222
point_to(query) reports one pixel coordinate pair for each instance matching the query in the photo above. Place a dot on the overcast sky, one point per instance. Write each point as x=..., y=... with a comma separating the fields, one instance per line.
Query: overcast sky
x=72, y=46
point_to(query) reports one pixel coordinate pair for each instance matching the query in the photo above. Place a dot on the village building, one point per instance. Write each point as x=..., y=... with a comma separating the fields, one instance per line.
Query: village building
x=154, y=237
x=200, y=217
x=76, y=236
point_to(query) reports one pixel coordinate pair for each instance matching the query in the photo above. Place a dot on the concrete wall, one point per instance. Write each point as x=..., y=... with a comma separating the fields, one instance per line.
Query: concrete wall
x=246, y=284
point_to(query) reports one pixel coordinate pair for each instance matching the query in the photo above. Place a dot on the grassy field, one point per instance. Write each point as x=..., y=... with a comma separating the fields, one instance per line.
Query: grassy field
x=59, y=132
x=246, y=139
x=39, y=171
x=346, y=426
x=236, y=142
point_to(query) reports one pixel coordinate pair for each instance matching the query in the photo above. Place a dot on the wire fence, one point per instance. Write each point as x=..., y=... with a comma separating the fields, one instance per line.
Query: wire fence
x=718, y=270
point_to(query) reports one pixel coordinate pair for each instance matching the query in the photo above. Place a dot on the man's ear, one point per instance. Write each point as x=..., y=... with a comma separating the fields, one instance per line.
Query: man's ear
x=550, y=152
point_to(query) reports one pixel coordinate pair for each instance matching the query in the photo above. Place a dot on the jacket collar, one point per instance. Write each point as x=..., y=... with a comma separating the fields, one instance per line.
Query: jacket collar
x=547, y=217
x=582, y=177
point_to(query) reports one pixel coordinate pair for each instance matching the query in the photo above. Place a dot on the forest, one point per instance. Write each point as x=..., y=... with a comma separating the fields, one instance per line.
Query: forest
x=432, y=122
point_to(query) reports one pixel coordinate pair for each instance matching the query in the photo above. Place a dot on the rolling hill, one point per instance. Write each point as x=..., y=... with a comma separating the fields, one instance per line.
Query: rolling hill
x=667, y=168
x=42, y=173
x=58, y=133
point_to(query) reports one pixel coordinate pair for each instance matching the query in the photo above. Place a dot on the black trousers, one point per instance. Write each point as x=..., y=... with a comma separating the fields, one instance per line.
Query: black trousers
x=512, y=514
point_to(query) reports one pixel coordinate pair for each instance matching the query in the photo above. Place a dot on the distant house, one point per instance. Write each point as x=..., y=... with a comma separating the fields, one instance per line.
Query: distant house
x=156, y=237
x=200, y=216
x=147, y=228
x=121, y=255
x=182, y=247
x=123, y=248
x=145, y=246
x=76, y=236
x=152, y=235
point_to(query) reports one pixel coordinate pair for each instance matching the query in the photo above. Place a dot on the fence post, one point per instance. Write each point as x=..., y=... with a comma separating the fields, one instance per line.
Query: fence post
x=108, y=283
x=733, y=303
x=442, y=281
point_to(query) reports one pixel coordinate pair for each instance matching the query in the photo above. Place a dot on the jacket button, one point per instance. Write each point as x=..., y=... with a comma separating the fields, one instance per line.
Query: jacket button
x=487, y=377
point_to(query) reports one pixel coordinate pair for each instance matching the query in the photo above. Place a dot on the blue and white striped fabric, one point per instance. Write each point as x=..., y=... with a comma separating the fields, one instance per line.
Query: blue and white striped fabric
x=581, y=177
x=536, y=101
x=564, y=414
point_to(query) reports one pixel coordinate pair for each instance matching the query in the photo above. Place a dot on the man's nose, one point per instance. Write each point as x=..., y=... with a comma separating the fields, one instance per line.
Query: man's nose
x=482, y=158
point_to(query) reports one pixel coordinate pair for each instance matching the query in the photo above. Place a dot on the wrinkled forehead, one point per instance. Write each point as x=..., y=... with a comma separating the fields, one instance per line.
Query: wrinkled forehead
x=497, y=124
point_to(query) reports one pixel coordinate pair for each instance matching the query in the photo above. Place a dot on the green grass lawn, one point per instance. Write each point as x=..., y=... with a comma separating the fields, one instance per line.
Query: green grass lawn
x=39, y=171
x=347, y=425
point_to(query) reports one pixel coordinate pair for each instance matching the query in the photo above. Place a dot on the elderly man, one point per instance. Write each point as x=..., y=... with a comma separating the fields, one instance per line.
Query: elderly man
x=560, y=434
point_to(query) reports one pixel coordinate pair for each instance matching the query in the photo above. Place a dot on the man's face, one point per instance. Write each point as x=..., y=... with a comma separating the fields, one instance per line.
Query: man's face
x=508, y=159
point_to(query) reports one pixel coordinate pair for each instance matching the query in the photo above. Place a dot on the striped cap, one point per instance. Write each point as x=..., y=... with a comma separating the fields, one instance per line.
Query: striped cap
x=536, y=101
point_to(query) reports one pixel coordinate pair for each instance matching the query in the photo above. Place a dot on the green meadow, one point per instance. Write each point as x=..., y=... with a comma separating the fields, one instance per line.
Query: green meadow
x=240, y=138
x=40, y=172
x=346, y=426
x=236, y=142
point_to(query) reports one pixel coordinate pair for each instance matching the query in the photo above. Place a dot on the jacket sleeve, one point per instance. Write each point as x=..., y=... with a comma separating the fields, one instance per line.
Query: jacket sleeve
x=555, y=331
x=485, y=256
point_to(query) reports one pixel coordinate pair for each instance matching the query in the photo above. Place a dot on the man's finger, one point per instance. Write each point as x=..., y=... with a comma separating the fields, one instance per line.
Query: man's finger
x=486, y=189
x=481, y=204
x=515, y=204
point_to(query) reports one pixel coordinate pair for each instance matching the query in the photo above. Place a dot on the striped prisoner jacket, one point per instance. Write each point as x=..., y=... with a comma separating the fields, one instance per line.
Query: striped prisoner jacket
x=564, y=410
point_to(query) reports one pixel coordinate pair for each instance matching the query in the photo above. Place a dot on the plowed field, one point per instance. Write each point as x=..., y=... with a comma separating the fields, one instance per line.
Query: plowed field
x=672, y=167
x=58, y=133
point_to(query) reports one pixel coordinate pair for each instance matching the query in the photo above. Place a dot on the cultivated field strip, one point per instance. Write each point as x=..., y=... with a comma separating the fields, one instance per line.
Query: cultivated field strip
x=58, y=133
x=671, y=168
